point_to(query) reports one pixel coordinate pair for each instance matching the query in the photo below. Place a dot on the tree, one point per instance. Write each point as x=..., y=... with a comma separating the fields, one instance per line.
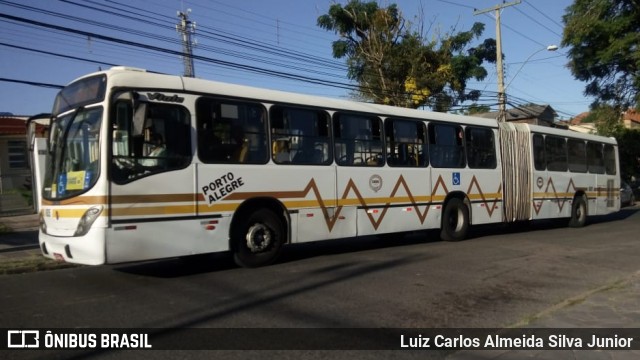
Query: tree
x=629, y=151
x=394, y=64
x=474, y=109
x=603, y=37
x=606, y=119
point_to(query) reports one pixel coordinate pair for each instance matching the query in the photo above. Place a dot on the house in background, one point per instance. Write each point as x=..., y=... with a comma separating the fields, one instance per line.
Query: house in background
x=630, y=119
x=543, y=115
x=578, y=124
x=15, y=173
x=14, y=164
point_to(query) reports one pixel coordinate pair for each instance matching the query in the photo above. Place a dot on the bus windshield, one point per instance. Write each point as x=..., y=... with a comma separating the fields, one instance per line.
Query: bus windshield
x=73, y=157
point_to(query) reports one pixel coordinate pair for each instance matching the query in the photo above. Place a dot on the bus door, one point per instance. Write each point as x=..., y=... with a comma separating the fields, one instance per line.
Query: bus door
x=360, y=173
x=303, y=158
x=152, y=187
x=405, y=184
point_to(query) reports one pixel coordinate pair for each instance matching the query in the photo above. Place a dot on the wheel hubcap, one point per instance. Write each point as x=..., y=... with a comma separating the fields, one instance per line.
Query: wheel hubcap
x=258, y=238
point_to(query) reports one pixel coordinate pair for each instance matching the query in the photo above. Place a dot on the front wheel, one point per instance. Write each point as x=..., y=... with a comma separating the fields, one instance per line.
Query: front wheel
x=578, y=212
x=455, y=220
x=258, y=240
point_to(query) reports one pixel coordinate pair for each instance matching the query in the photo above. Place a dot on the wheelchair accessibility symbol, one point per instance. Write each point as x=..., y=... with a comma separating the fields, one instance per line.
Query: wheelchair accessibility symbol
x=455, y=179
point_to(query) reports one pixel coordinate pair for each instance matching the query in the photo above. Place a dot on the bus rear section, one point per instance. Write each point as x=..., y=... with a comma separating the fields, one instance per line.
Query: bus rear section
x=554, y=173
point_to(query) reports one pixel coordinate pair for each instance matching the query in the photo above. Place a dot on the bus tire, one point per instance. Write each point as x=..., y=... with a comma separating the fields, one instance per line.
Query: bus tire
x=578, y=212
x=455, y=220
x=258, y=239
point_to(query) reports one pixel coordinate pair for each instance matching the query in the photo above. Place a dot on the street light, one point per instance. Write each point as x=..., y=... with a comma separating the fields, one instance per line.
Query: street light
x=502, y=95
x=548, y=48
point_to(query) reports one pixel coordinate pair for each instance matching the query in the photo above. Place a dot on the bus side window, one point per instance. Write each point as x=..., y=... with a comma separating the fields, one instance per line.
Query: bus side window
x=300, y=136
x=610, y=159
x=406, y=143
x=595, y=158
x=538, y=152
x=358, y=140
x=577, y=155
x=231, y=132
x=481, y=149
x=556, y=153
x=446, y=147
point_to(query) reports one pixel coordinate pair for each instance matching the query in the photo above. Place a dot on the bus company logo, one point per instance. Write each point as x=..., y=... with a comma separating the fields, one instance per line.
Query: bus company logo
x=540, y=182
x=23, y=339
x=375, y=182
x=165, y=98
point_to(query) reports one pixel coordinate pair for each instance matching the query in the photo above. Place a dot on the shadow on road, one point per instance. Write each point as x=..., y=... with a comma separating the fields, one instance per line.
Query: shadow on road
x=198, y=264
x=205, y=263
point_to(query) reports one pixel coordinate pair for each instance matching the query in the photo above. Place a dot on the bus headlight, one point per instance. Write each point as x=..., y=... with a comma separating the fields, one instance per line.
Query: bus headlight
x=87, y=220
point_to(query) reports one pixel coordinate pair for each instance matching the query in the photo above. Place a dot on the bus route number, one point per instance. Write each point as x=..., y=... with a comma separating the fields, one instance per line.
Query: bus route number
x=221, y=187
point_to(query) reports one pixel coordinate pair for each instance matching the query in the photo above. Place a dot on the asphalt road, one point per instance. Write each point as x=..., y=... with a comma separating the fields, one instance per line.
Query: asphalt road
x=500, y=277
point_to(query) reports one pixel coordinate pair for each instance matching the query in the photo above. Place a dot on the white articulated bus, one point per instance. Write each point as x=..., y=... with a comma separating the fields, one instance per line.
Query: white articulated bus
x=145, y=166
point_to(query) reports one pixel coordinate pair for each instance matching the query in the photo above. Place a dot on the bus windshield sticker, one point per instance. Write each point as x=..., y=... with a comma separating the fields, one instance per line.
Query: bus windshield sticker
x=75, y=180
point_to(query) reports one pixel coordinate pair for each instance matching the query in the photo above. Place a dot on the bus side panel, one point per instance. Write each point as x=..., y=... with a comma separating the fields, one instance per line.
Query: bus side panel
x=583, y=183
x=484, y=193
x=153, y=217
x=314, y=205
x=555, y=196
x=541, y=202
x=389, y=199
x=355, y=198
x=607, y=195
x=307, y=193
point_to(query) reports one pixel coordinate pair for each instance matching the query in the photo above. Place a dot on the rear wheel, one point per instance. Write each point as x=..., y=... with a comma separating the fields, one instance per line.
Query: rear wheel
x=578, y=212
x=258, y=240
x=455, y=220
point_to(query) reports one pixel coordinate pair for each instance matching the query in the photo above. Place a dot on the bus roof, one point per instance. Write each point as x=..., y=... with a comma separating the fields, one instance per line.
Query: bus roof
x=122, y=76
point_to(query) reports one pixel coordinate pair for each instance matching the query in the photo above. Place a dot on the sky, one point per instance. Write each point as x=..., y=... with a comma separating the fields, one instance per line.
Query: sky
x=259, y=43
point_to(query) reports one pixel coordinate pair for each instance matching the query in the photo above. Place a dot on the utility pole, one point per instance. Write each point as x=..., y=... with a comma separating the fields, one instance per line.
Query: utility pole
x=502, y=96
x=186, y=28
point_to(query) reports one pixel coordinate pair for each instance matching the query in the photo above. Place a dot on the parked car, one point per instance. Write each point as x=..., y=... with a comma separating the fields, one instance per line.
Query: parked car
x=635, y=186
x=627, y=198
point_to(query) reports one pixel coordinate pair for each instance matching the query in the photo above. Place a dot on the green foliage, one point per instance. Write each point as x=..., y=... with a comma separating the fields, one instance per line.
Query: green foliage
x=606, y=119
x=603, y=37
x=474, y=109
x=629, y=150
x=395, y=65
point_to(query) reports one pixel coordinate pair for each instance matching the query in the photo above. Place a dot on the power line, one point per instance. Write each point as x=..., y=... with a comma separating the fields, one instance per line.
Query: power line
x=178, y=53
x=215, y=35
x=231, y=39
x=58, y=55
x=544, y=14
x=537, y=22
x=33, y=83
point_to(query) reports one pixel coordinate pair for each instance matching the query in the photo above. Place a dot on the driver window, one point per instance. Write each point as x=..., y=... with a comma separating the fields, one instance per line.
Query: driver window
x=152, y=139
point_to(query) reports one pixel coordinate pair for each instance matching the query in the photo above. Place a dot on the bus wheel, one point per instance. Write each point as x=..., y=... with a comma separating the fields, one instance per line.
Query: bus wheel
x=258, y=240
x=578, y=212
x=455, y=220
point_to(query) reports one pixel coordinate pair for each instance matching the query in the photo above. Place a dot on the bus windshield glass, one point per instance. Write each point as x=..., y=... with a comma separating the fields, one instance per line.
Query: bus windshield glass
x=74, y=153
x=80, y=93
